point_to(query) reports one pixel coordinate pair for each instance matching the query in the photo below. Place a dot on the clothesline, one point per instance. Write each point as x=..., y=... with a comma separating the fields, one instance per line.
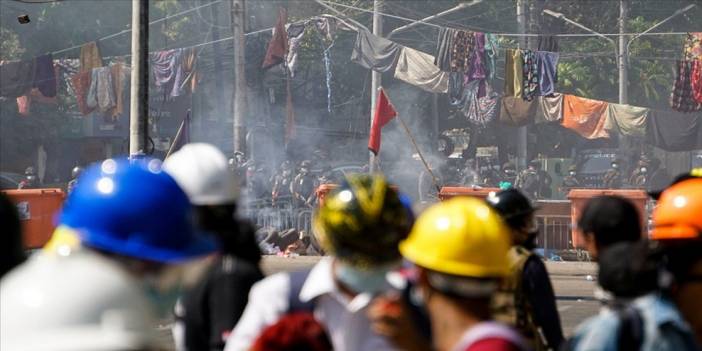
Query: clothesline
x=504, y=34
x=129, y=30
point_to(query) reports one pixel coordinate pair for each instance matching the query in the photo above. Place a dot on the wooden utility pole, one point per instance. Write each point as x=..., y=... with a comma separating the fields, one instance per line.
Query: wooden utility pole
x=139, y=92
x=376, y=77
x=622, y=61
x=239, y=91
x=217, y=49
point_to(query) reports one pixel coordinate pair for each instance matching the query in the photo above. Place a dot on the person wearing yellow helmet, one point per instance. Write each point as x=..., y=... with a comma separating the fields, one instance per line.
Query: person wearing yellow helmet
x=459, y=248
x=359, y=226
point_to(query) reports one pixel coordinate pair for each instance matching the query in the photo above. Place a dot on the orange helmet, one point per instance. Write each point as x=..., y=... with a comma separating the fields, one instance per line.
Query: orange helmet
x=679, y=212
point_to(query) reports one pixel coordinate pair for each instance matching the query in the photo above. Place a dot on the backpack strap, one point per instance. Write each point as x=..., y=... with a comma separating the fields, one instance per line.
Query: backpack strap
x=297, y=280
x=631, y=329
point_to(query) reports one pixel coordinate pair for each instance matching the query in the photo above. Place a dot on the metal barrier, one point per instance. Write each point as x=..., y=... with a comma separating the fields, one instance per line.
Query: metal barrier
x=555, y=233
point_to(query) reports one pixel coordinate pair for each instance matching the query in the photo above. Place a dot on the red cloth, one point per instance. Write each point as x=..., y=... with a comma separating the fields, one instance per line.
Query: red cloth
x=384, y=113
x=696, y=80
x=278, y=46
x=586, y=117
x=493, y=344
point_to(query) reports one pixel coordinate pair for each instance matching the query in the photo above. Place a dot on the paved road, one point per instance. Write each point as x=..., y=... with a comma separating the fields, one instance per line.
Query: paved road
x=570, y=280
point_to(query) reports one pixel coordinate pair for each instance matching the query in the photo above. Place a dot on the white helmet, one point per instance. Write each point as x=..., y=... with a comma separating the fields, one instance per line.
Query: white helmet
x=77, y=302
x=203, y=173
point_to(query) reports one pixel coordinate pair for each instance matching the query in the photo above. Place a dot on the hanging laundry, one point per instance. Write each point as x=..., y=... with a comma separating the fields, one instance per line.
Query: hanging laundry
x=530, y=72
x=476, y=71
x=550, y=109
x=548, y=71
x=168, y=73
x=696, y=80
x=491, y=48
x=278, y=46
x=190, y=81
x=16, y=78
x=444, y=45
x=682, y=97
x=417, y=68
x=627, y=120
x=101, y=94
x=23, y=103
x=692, y=49
x=81, y=85
x=480, y=111
x=90, y=57
x=296, y=31
x=327, y=26
x=373, y=52
x=45, y=75
x=586, y=117
x=515, y=111
x=514, y=65
x=120, y=75
x=673, y=131
x=66, y=68
x=456, y=87
x=548, y=43
x=463, y=45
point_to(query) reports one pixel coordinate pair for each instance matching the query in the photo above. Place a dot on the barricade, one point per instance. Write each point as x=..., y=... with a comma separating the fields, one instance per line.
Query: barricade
x=37, y=209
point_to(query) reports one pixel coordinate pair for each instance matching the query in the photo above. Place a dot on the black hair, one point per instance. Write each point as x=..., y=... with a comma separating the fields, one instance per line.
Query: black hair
x=11, y=250
x=611, y=219
x=628, y=269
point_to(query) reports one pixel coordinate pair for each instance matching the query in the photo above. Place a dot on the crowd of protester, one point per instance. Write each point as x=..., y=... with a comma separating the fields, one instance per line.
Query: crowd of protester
x=139, y=243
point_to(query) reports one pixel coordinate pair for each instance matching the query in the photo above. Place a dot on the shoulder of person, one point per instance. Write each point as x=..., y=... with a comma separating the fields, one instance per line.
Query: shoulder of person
x=599, y=332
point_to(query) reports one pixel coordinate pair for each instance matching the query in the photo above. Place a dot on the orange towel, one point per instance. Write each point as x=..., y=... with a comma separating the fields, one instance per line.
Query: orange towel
x=585, y=116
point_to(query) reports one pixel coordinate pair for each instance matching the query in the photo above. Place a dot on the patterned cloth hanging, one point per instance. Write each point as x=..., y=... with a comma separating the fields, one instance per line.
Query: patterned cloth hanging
x=530, y=72
x=682, y=98
x=463, y=45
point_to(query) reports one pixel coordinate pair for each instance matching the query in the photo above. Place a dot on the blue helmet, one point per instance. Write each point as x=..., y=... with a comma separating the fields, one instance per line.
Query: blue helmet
x=136, y=210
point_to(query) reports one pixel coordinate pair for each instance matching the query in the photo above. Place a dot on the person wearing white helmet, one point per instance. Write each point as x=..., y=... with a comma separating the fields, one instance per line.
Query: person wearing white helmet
x=47, y=306
x=209, y=311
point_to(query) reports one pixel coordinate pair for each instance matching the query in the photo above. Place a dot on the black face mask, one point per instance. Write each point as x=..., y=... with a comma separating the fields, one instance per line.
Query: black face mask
x=530, y=242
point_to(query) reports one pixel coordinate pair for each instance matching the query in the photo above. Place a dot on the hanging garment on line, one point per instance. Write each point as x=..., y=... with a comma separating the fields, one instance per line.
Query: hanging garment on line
x=16, y=78
x=101, y=94
x=444, y=45
x=417, y=68
x=692, y=49
x=548, y=43
x=585, y=116
x=480, y=111
x=547, y=71
x=550, y=109
x=491, y=48
x=696, y=80
x=514, y=111
x=190, y=81
x=81, y=85
x=463, y=45
x=120, y=74
x=25, y=102
x=682, y=98
x=296, y=31
x=327, y=27
x=674, y=131
x=456, y=87
x=373, y=52
x=476, y=70
x=168, y=73
x=530, y=72
x=514, y=66
x=90, y=57
x=45, y=75
x=278, y=46
x=627, y=120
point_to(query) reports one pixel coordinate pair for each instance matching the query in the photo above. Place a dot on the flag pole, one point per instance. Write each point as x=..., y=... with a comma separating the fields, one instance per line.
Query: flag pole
x=426, y=165
x=178, y=135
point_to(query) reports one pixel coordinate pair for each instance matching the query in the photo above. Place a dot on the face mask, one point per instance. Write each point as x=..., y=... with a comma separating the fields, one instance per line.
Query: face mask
x=643, y=169
x=162, y=299
x=615, y=166
x=360, y=281
x=572, y=174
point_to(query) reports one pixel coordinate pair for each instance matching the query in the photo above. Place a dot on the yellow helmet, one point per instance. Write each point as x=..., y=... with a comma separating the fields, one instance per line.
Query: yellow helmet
x=462, y=236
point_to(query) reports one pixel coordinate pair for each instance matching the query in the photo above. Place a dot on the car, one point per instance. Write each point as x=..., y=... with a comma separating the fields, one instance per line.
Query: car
x=10, y=181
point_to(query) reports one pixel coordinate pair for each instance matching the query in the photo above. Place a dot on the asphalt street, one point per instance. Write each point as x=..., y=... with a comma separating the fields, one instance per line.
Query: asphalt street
x=574, y=283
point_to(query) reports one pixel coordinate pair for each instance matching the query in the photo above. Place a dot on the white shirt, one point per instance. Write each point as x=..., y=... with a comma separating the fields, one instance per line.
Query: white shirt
x=344, y=319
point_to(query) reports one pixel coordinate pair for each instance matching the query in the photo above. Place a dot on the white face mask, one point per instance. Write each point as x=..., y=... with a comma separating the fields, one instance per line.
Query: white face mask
x=363, y=280
x=643, y=170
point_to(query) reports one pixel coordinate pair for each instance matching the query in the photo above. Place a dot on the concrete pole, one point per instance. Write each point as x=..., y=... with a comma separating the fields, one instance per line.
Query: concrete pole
x=522, y=132
x=376, y=77
x=622, y=61
x=239, y=91
x=139, y=92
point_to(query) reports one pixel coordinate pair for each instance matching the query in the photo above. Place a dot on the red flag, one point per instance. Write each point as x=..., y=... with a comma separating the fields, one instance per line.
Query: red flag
x=384, y=113
x=278, y=46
